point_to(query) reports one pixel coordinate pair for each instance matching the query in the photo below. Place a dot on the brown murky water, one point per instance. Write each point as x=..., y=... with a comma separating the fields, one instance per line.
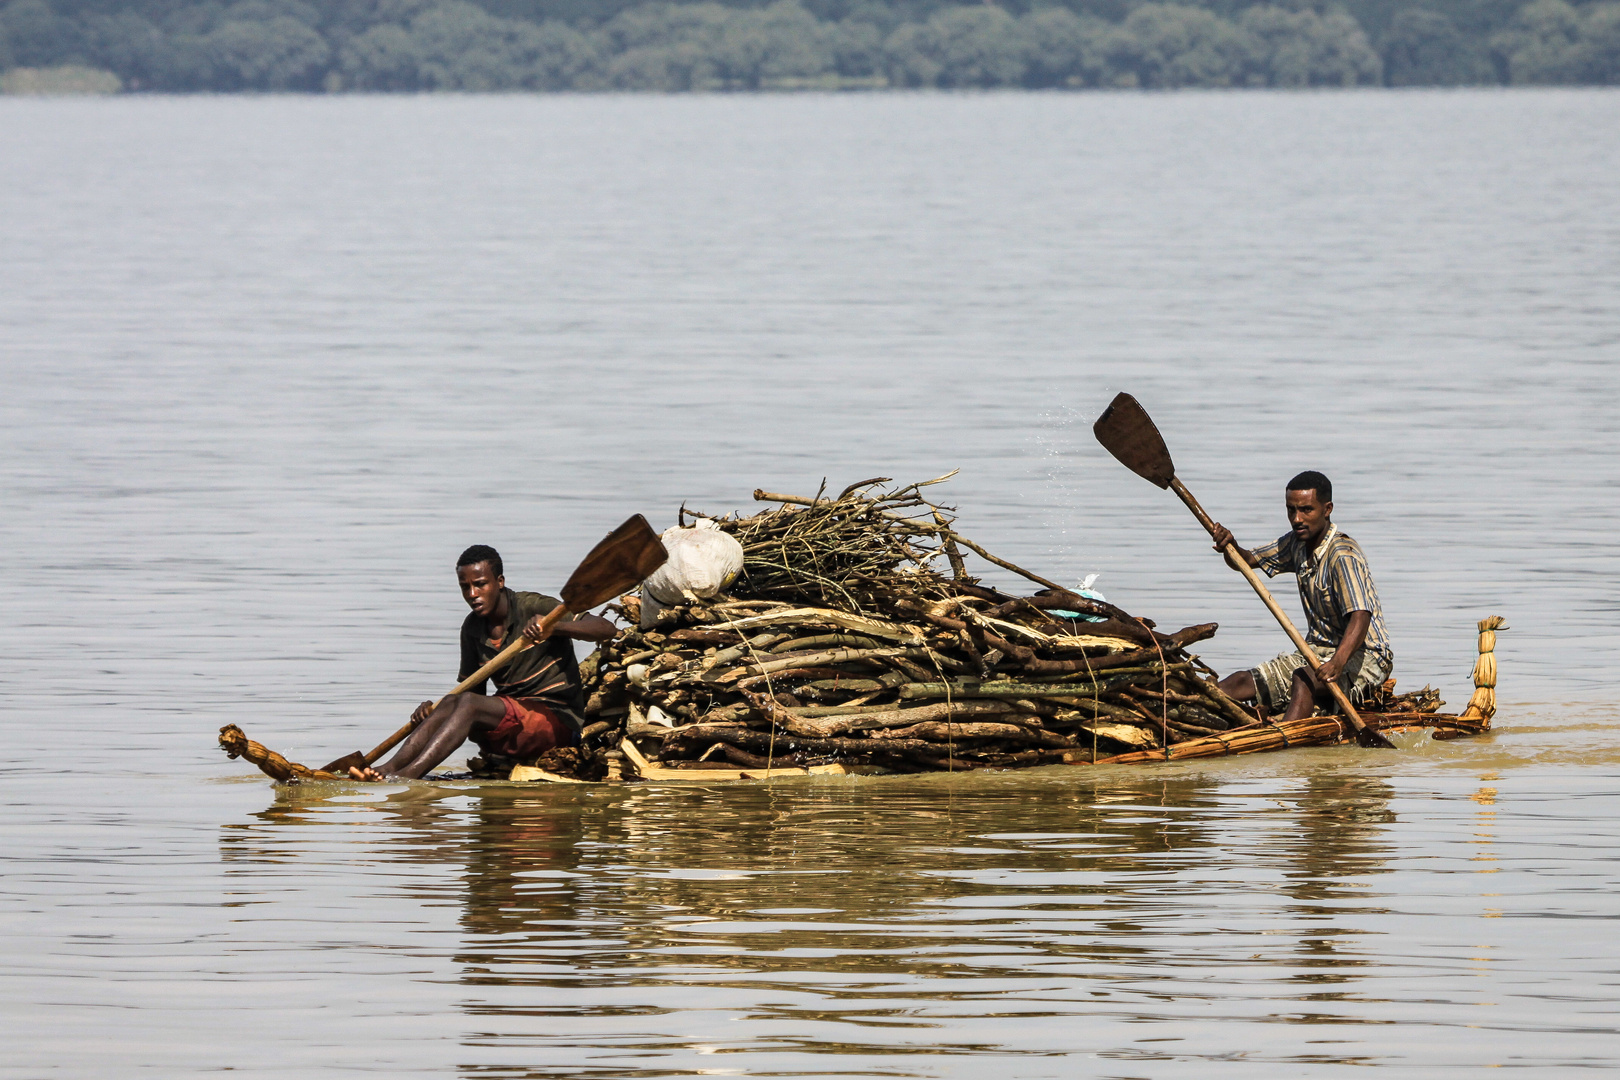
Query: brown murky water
x=268, y=364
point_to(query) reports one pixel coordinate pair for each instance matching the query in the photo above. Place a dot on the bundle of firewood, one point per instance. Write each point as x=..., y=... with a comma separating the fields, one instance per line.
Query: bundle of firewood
x=855, y=636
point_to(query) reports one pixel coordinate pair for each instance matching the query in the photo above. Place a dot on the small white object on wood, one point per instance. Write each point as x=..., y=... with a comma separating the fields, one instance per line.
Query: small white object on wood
x=703, y=562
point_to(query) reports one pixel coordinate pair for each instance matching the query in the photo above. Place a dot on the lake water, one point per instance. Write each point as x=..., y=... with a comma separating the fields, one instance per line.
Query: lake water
x=268, y=364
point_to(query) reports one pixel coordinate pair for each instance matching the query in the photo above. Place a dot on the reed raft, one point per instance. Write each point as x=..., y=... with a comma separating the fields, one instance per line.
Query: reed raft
x=856, y=640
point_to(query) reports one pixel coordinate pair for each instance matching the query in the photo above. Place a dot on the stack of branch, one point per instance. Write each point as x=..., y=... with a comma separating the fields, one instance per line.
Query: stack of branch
x=855, y=636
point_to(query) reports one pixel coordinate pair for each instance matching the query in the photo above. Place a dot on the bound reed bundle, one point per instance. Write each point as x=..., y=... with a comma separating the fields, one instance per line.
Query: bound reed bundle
x=237, y=745
x=1483, y=701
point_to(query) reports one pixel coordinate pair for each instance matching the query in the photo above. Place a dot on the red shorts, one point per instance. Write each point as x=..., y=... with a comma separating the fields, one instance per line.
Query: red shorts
x=527, y=730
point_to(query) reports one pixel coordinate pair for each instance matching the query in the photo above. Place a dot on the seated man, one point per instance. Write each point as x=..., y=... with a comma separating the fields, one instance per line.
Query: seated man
x=539, y=704
x=1345, y=624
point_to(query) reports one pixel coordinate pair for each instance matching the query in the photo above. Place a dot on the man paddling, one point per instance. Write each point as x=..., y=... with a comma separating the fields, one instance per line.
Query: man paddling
x=1345, y=621
x=538, y=704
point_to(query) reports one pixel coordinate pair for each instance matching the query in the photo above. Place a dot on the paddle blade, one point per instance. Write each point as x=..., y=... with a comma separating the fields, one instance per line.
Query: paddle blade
x=619, y=563
x=342, y=765
x=1127, y=432
x=1374, y=740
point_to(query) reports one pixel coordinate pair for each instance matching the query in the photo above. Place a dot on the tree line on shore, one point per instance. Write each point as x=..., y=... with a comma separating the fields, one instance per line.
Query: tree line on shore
x=456, y=45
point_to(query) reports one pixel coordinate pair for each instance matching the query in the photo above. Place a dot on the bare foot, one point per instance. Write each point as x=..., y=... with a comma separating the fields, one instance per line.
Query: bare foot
x=368, y=774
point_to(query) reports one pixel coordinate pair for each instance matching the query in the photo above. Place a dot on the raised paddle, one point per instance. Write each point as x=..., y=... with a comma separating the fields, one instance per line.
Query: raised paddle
x=620, y=562
x=1127, y=431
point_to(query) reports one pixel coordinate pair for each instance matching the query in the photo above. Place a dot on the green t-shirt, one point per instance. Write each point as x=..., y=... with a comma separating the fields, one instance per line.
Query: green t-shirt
x=547, y=672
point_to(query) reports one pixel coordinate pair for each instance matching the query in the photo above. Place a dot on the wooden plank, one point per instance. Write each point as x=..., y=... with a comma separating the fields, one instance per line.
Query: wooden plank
x=1126, y=734
x=907, y=635
x=529, y=772
x=649, y=771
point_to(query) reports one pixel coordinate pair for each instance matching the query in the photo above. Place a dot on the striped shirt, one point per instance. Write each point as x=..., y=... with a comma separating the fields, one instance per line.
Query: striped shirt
x=1333, y=582
x=547, y=673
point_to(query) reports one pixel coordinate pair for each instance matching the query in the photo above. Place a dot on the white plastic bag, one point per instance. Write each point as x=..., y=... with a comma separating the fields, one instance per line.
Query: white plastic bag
x=703, y=562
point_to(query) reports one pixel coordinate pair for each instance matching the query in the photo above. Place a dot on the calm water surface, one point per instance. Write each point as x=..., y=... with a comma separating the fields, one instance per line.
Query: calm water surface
x=269, y=364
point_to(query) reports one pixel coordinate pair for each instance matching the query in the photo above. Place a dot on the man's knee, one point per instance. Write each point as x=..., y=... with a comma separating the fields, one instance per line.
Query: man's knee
x=1239, y=686
x=480, y=707
x=1306, y=682
x=460, y=703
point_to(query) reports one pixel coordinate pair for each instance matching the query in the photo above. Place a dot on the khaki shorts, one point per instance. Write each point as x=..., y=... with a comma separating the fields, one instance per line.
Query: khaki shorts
x=1274, y=679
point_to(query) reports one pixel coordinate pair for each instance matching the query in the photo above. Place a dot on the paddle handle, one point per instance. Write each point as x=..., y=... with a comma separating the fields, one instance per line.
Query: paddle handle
x=1270, y=601
x=549, y=621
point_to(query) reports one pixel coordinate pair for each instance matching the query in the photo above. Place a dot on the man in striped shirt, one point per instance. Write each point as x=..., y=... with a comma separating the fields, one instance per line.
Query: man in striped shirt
x=1345, y=624
x=538, y=704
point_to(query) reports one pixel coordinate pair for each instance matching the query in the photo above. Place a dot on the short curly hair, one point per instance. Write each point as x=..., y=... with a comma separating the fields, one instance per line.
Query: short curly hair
x=482, y=553
x=1309, y=480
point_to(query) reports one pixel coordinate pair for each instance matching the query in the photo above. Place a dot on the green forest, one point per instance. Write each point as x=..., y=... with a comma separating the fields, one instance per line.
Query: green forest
x=334, y=46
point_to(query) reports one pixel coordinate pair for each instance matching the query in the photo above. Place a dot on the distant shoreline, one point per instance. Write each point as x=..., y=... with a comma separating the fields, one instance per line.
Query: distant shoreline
x=789, y=91
x=104, y=47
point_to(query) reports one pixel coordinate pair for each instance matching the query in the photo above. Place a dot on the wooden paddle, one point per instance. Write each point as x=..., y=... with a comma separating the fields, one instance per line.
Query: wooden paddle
x=1127, y=432
x=620, y=562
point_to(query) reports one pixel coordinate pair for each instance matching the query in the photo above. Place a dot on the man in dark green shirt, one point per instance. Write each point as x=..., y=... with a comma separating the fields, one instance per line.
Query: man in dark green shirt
x=538, y=703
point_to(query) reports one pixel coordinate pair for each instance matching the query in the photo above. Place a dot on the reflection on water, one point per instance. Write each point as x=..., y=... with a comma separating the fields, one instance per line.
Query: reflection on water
x=627, y=931
x=1248, y=919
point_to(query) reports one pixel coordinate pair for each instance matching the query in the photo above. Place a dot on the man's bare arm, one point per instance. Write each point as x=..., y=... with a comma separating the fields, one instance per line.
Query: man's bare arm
x=1355, y=633
x=581, y=628
x=1223, y=537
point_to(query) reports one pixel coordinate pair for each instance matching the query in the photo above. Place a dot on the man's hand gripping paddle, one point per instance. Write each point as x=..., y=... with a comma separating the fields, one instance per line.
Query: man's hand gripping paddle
x=619, y=563
x=1127, y=432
